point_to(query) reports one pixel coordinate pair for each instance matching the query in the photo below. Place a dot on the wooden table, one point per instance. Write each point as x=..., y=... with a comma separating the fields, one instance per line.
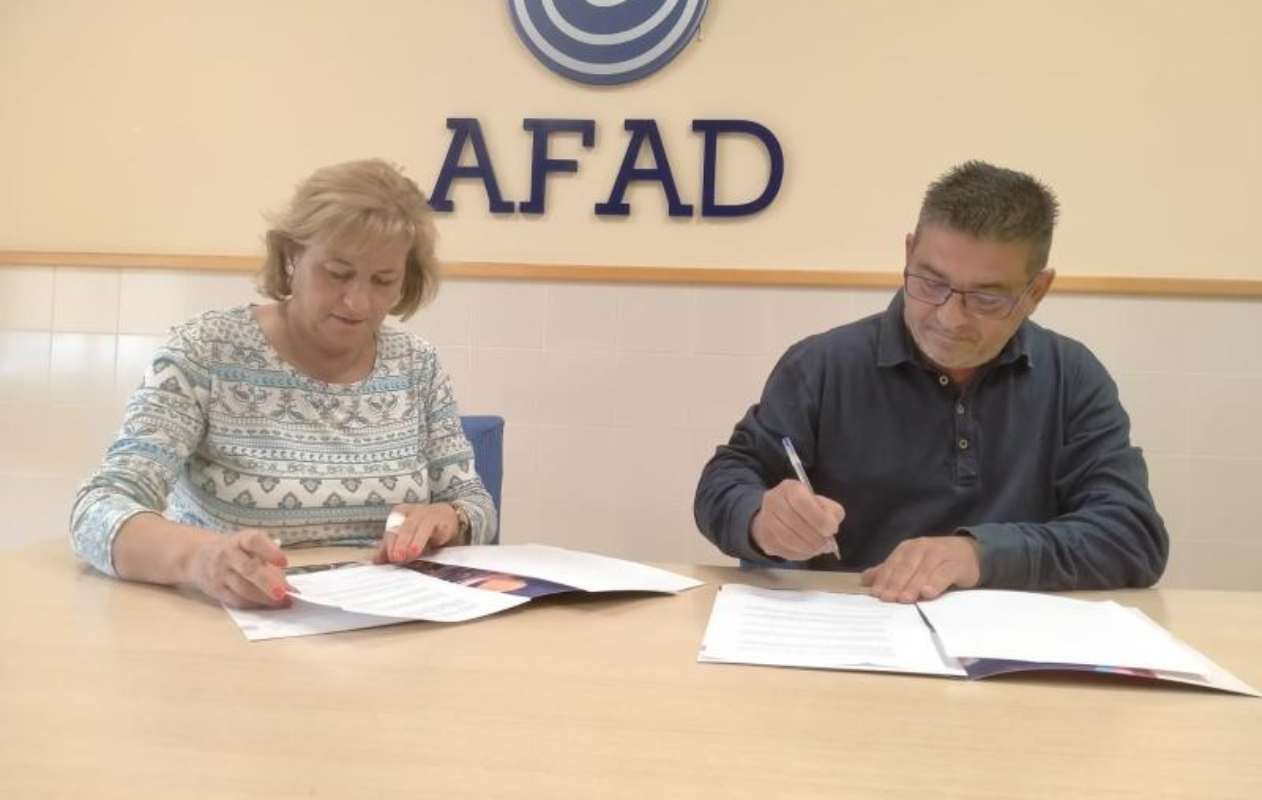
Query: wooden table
x=124, y=690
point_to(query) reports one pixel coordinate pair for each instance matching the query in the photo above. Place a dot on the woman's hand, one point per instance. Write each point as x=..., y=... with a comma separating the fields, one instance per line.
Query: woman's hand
x=411, y=528
x=242, y=570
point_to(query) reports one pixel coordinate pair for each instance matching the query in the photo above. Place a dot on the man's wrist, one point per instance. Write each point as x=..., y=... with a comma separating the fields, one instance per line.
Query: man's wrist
x=976, y=544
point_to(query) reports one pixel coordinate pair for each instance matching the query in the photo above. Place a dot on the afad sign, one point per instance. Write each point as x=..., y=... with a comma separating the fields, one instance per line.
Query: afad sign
x=606, y=42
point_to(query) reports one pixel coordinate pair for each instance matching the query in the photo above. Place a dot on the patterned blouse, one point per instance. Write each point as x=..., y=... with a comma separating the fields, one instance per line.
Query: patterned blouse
x=223, y=434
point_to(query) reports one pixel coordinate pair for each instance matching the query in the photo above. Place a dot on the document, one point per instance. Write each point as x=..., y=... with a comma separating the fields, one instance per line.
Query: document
x=974, y=634
x=820, y=629
x=301, y=619
x=453, y=585
x=387, y=590
x=1026, y=626
x=587, y=572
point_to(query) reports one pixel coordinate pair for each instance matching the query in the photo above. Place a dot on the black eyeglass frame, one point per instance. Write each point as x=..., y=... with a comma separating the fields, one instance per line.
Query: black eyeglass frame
x=1011, y=301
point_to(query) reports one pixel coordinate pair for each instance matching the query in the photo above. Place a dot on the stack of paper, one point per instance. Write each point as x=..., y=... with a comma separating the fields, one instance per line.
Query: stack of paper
x=453, y=585
x=971, y=633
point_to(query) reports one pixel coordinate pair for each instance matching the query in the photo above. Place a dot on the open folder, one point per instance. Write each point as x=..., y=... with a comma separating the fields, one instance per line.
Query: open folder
x=969, y=634
x=454, y=584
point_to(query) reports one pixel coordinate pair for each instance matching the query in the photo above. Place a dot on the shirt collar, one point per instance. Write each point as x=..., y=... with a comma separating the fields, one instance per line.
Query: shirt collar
x=895, y=346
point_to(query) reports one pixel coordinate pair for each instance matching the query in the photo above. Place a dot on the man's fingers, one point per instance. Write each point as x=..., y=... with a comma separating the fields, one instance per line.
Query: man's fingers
x=779, y=541
x=795, y=507
x=940, y=579
x=786, y=531
x=832, y=509
x=924, y=568
x=803, y=505
x=917, y=580
x=899, y=569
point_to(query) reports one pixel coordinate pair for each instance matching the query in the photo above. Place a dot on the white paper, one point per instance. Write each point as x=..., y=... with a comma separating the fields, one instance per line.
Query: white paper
x=387, y=590
x=586, y=571
x=302, y=619
x=1025, y=626
x=1207, y=674
x=749, y=625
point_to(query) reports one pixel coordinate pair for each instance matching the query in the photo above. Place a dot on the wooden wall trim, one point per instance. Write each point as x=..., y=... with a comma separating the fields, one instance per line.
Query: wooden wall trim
x=856, y=279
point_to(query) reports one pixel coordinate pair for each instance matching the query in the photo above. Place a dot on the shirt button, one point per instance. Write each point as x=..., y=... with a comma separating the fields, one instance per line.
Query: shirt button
x=943, y=380
x=963, y=443
x=959, y=409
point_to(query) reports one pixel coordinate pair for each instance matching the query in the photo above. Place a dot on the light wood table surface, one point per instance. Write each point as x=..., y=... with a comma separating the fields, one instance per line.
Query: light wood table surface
x=110, y=689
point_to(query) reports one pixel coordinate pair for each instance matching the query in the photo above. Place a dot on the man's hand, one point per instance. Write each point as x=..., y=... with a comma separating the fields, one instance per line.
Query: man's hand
x=412, y=528
x=922, y=569
x=795, y=524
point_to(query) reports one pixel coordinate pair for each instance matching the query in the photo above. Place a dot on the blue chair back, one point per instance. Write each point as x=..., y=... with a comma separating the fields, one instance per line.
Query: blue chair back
x=486, y=435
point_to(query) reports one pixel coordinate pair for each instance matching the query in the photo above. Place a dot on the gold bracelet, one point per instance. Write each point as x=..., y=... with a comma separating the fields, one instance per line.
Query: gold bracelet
x=464, y=528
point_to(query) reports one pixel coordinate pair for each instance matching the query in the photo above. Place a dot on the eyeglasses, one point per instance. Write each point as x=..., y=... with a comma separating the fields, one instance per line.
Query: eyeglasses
x=991, y=305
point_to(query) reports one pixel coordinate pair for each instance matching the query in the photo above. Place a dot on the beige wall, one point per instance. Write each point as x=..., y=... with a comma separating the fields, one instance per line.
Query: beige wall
x=170, y=127
x=150, y=125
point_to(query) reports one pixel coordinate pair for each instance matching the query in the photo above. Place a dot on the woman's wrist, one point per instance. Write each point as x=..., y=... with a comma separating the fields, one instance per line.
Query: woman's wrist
x=464, y=527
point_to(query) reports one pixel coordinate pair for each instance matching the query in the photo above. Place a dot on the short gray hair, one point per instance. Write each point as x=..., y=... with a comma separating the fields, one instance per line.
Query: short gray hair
x=990, y=202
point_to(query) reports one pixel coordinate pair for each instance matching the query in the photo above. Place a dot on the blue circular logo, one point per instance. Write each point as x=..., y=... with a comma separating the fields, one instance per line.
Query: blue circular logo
x=606, y=41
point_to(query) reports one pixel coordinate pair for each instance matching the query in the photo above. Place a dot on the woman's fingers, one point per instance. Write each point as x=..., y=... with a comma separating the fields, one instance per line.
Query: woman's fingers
x=239, y=592
x=265, y=576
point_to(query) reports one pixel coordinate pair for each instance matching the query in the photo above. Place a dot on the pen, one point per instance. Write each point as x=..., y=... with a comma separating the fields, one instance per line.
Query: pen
x=792, y=453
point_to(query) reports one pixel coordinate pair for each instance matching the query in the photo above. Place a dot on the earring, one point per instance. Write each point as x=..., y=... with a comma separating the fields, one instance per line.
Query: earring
x=289, y=267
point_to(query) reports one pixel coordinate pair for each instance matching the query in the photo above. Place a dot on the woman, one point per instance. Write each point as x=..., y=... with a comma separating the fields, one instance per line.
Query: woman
x=304, y=421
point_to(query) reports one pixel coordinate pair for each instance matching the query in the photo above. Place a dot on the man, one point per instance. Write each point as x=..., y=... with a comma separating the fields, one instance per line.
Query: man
x=950, y=441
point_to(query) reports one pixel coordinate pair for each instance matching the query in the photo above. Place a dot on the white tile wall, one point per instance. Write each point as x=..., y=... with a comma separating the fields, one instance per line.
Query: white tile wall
x=26, y=298
x=509, y=314
x=1128, y=334
x=579, y=317
x=578, y=490
x=577, y=387
x=794, y=314
x=723, y=387
x=730, y=320
x=1159, y=407
x=506, y=382
x=81, y=370
x=654, y=319
x=152, y=301
x=449, y=319
x=615, y=395
x=207, y=291
x=1225, y=420
x=85, y=300
x=1229, y=330
x=652, y=390
x=25, y=357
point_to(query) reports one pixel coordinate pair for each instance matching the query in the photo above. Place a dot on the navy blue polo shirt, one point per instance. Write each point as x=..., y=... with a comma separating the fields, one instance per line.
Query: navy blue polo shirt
x=1033, y=458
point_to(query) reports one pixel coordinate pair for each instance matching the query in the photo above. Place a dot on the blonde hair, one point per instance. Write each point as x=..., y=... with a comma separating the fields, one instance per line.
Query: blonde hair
x=366, y=200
